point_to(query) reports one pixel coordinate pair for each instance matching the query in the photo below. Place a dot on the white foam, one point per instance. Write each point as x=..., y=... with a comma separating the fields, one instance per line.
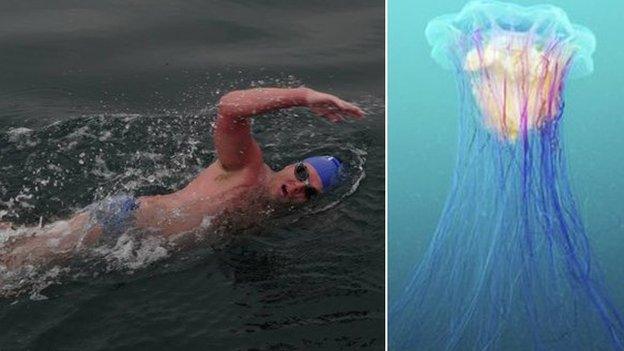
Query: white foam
x=132, y=251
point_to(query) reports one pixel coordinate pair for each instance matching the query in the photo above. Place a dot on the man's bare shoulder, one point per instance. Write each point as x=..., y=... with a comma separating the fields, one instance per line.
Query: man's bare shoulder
x=216, y=175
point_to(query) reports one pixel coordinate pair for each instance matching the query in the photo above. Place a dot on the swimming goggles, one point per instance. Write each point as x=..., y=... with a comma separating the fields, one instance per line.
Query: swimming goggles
x=303, y=175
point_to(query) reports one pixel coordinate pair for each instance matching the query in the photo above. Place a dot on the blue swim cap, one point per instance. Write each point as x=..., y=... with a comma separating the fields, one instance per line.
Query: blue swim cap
x=328, y=169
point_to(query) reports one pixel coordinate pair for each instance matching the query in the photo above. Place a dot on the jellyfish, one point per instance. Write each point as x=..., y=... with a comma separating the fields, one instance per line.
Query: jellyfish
x=509, y=265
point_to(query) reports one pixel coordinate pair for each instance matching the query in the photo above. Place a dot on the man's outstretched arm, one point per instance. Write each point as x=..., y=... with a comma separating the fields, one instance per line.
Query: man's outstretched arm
x=235, y=145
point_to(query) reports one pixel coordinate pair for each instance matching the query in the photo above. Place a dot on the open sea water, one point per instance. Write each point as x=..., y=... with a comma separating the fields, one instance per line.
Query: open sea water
x=102, y=97
x=423, y=125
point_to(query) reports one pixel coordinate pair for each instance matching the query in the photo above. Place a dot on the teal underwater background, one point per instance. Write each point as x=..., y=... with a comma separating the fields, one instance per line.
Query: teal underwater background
x=422, y=129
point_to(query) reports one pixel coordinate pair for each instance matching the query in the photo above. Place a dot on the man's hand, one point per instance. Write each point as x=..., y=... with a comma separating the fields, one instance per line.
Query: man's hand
x=331, y=107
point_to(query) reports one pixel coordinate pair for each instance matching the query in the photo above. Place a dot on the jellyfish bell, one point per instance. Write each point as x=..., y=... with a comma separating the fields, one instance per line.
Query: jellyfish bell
x=515, y=59
x=517, y=85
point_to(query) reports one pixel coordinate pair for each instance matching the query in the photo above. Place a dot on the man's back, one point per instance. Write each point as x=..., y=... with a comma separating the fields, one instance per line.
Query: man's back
x=212, y=192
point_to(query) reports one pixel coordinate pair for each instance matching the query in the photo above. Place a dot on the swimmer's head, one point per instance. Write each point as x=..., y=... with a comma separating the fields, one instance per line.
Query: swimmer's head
x=302, y=181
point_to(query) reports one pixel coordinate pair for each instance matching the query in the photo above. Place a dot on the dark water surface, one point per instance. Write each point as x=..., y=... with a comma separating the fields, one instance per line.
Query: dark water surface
x=98, y=98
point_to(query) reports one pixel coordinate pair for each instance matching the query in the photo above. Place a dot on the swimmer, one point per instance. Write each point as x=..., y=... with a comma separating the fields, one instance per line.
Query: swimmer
x=235, y=183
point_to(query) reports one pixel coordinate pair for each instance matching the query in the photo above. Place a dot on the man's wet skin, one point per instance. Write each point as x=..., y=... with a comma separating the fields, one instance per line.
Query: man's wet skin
x=235, y=183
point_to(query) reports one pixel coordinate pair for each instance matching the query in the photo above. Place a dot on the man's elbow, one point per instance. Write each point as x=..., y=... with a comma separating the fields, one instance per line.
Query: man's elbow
x=230, y=104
